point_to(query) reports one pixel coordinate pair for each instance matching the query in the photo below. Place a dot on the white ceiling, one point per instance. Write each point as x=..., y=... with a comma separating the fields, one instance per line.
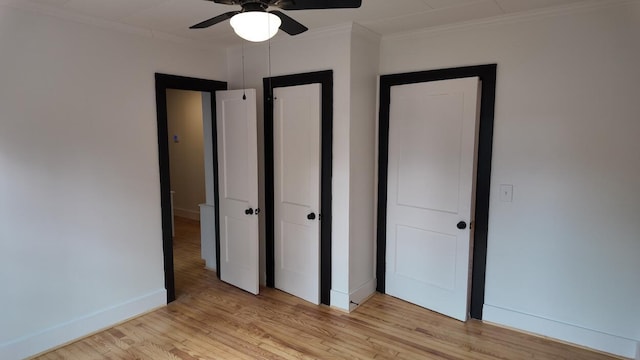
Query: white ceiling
x=384, y=17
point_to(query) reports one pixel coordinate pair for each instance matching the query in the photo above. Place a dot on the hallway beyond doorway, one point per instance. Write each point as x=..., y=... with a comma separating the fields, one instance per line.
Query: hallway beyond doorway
x=190, y=275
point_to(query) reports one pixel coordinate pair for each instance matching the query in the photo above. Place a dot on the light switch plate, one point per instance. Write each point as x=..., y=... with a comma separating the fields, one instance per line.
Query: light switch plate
x=506, y=192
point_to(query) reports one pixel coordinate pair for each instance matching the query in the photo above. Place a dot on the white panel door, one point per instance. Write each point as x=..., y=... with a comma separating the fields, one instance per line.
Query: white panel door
x=238, y=188
x=432, y=146
x=297, y=118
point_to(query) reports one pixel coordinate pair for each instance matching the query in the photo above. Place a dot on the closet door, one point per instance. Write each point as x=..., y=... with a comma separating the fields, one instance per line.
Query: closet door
x=432, y=152
x=297, y=120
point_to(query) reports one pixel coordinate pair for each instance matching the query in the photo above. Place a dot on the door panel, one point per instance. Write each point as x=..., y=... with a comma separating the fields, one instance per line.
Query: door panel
x=435, y=182
x=238, y=188
x=297, y=118
x=432, y=144
x=422, y=255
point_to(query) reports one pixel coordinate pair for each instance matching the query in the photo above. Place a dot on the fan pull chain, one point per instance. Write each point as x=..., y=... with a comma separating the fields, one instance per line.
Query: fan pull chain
x=269, y=64
x=244, y=92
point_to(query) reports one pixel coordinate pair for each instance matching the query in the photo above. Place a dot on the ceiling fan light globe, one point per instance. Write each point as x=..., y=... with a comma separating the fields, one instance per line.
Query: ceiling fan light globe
x=255, y=26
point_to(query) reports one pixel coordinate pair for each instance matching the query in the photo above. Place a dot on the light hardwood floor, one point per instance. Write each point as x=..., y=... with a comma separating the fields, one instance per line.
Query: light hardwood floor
x=212, y=320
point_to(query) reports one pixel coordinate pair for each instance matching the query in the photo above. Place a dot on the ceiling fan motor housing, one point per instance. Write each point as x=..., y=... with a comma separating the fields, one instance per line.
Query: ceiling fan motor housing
x=254, y=6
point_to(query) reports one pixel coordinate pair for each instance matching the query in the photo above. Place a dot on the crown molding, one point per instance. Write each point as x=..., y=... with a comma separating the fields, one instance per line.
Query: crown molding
x=45, y=10
x=572, y=8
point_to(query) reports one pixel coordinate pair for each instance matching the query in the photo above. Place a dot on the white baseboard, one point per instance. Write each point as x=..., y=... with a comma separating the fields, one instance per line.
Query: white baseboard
x=347, y=302
x=362, y=293
x=77, y=328
x=562, y=331
x=186, y=213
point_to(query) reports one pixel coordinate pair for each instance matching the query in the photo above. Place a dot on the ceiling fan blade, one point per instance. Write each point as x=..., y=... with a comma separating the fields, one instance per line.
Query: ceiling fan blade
x=289, y=25
x=227, y=2
x=319, y=4
x=214, y=20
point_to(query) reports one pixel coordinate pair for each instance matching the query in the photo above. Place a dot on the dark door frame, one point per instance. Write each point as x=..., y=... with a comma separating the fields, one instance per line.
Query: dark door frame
x=487, y=75
x=164, y=82
x=325, y=79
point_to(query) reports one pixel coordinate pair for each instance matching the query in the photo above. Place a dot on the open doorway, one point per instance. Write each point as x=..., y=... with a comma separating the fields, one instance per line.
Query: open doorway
x=185, y=116
x=206, y=89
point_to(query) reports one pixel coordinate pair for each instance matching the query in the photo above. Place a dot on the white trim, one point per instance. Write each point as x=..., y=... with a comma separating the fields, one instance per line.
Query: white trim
x=509, y=18
x=186, y=213
x=69, y=331
x=362, y=293
x=559, y=330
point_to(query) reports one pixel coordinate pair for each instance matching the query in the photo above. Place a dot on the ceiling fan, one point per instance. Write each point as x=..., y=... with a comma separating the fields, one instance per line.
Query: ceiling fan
x=254, y=23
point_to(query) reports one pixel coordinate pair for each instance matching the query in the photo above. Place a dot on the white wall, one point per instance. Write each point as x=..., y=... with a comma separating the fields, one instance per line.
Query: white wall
x=327, y=50
x=80, y=229
x=186, y=156
x=365, y=49
x=563, y=256
x=352, y=53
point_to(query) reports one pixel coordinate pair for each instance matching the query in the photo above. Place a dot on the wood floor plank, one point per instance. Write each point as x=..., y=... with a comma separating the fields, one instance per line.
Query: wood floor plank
x=213, y=320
